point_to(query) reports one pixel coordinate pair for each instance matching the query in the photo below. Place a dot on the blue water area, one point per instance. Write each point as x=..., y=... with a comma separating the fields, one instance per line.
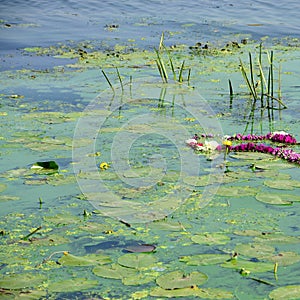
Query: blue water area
x=43, y=23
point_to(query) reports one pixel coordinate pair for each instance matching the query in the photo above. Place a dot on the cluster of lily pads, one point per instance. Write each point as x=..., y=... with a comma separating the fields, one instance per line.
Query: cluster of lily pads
x=251, y=144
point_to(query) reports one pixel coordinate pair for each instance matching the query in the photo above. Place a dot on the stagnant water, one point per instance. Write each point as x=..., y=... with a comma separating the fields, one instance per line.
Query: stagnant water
x=237, y=225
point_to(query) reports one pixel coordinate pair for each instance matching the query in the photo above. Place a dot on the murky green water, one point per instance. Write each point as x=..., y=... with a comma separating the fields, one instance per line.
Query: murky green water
x=78, y=231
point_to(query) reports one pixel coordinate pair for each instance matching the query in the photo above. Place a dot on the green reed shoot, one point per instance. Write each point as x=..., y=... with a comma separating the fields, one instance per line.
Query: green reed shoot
x=161, y=67
x=260, y=81
x=108, y=81
x=180, y=79
x=120, y=79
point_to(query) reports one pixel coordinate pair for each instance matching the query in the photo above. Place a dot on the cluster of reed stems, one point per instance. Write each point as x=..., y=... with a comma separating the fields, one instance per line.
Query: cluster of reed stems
x=260, y=80
x=161, y=64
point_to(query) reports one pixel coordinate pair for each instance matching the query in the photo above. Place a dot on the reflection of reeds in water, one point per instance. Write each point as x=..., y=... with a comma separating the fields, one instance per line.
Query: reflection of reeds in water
x=261, y=88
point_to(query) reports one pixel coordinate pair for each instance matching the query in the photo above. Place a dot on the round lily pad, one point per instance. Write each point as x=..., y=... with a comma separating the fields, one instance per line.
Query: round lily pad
x=178, y=279
x=282, y=184
x=253, y=267
x=8, y=198
x=20, y=281
x=289, y=292
x=277, y=238
x=193, y=291
x=72, y=285
x=87, y=260
x=2, y=187
x=214, y=238
x=255, y=250
x=285, y=258
x=236, y=191
x=137, y=260
x=204, y=259
x=138, y=279
x=275, y=199
x=114, y=271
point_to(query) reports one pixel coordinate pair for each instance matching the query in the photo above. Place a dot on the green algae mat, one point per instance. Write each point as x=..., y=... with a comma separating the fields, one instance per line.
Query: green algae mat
x=101, y=198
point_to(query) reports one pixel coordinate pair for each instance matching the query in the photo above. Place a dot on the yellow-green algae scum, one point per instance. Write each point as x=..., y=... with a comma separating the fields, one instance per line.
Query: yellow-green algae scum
x=55, y=244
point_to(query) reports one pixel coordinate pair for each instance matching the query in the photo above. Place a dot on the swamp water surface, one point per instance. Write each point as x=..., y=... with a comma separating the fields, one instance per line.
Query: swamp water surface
x=157, y=219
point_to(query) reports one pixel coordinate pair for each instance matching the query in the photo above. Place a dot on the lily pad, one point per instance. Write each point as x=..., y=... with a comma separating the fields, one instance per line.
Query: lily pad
x=20, y=281
x=277, y=238
x=253, y=267
x=178, y=280
x=62, y=219
x=289, y=292
x=275, y=199
x=87, y=260
x=2, y=187
x=255, y=250
x=204, y=259
x=248, y=232
x=8, y=198
x=114, y=271
x=236, y=191
x=209, y=293
x=72, y=285
x=285, y=258
x=144, y=248
x=214, y=238
x=137, y=260
x=282, y=184
x=139, y=278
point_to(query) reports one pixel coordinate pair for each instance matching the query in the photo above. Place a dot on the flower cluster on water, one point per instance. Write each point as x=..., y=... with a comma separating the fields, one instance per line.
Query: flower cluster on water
x=250, y=143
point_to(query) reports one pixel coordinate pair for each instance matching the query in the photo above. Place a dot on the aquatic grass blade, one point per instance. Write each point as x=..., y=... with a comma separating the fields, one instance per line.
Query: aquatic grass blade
x=108, y=81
